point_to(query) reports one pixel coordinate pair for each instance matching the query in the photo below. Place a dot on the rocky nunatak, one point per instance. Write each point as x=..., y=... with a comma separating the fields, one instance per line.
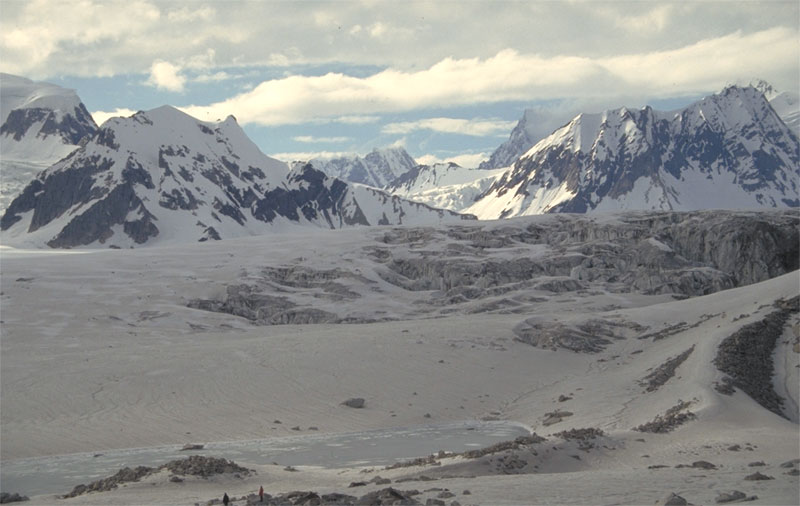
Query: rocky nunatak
x=196, y=465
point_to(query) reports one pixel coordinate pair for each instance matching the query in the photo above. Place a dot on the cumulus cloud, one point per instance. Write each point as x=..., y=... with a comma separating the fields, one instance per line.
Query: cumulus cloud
x=100, y=117
x=464, y=160
x=309, y=139
x=511, y=75
x=304, y=156
x=39, y=34
x=215, y=77
x=654, y=20
x=44, y=38
x=356, y=120
x=166, y=76
x=473, y=127
x=185, y=14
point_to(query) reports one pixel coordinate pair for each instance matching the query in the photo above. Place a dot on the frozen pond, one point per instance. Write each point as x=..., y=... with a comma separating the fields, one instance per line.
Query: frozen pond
x=59, y=474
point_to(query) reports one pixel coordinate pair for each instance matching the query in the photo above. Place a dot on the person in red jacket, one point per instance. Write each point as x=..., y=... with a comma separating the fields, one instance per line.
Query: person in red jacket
x=260, y=494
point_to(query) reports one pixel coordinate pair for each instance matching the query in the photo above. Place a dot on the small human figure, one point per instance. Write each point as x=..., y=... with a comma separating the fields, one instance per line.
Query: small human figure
x=260, y=494
x=225, y=499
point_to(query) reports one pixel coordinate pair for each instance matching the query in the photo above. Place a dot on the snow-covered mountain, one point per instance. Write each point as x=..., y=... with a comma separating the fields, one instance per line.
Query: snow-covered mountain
x=528, y=130
x=164, y=176
x=522, y=138
x=40, y=123
x=378, y=168
x=729, y=150
x=444, y=185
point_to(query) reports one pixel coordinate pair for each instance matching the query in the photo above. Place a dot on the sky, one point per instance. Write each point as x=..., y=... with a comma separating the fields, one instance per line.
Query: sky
x=447, y=80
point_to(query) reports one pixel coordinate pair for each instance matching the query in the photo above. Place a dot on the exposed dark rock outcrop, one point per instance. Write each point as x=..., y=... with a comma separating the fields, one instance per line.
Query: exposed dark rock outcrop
x=195, y=465
x=72, y=128
x=733, y=496
x=521, y=441
x=124, y=475
x=590, y=336
x=672, y=499
x=746, y=357
x=670, y=420
x=664, y=372
x=355, y=402
x=6, y=497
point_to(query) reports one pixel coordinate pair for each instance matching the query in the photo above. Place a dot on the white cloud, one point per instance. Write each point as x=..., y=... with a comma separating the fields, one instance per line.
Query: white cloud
x=305, y=156
x=100, y=117
x=356, y=120
x=313, y=140
x=651, y=21
x=185, y=14
x=377, y=30
x=201, y=61
x=166, y=76
x=473, y=127
x=510, y=75
x=464, y=160
x=44, y=34
x=45, y=38
x=215, y=77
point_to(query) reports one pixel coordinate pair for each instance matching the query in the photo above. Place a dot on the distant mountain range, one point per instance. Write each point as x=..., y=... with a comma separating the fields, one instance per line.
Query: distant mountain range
x=729, y=150
x=526, y=133
x=378, y=168
x=161, y=176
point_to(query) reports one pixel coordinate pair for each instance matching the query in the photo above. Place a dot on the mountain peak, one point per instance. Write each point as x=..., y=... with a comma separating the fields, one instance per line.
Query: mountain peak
x=377, y=168
x=521, y=139
x=22, y=93
x=40, y=123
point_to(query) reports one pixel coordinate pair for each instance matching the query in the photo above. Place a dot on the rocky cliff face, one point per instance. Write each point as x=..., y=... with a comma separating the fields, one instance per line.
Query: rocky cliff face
x=162, y=175
x=729, y=150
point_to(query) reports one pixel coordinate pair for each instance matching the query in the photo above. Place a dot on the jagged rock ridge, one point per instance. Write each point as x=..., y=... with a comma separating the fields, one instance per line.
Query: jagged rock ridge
x=729, y=150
